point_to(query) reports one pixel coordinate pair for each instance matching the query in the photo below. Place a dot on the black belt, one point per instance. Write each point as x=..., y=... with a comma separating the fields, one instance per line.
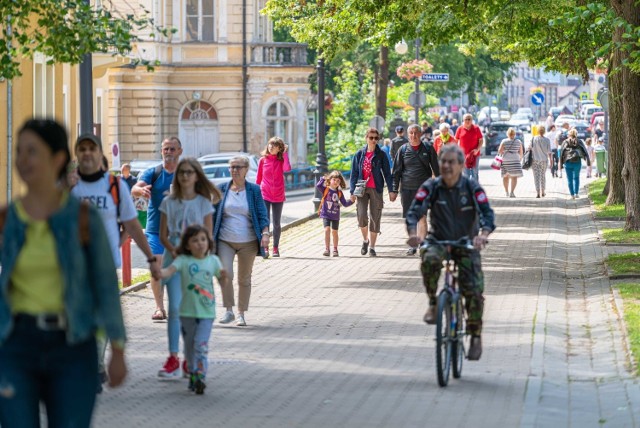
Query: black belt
x=44, y=322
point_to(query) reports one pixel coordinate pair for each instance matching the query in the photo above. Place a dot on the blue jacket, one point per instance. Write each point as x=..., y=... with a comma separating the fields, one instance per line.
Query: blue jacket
x=379, y=168
x=257, y=209
x=91, y=297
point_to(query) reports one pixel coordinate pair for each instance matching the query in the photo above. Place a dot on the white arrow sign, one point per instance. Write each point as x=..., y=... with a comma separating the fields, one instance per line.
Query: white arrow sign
x=434, y=77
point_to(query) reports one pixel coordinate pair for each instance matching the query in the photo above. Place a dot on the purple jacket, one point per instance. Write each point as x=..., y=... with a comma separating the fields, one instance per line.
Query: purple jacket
x=330, y=208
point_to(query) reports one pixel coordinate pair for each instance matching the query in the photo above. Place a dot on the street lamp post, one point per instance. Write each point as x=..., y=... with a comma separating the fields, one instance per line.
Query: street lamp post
x=86, y=93
x=417, y=85
x=321, y=158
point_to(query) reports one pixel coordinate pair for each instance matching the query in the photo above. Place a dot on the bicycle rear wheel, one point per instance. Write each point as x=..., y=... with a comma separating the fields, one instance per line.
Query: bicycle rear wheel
x=443, y=341
x=457, y=348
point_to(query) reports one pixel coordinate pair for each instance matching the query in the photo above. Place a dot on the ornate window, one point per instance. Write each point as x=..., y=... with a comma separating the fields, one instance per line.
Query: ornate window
x=199, y=25
x=199, y=110
x=279, y=121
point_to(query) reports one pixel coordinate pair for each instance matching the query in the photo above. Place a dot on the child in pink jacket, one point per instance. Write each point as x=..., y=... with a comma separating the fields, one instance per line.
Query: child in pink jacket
x=271, y=168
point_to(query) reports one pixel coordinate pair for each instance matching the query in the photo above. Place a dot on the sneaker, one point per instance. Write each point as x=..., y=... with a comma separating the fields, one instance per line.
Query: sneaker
x=241, y=322
x=512, y=195
x=537, y=195
x=506, y=194
x=412, y=251
x=227, y=317
x=326, y=253
x=430, y=315
x=266, y=253
x=576, y=196
x=199, y=386
x=275, y=253
x=185, y=370
x=365, y=248
x=171, y=368
x=475, y=349
x=372, y=252
x=335, y=253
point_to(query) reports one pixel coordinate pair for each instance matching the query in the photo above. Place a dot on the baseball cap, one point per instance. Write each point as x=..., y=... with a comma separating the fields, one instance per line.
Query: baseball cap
x=90, y=137
x=399, y=129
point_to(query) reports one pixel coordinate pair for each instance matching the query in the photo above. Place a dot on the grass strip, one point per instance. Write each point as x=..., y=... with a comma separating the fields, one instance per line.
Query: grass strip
x=630, y=293
x=624, y=263
x=619, y=236
x=599, y=200
x=138, y=278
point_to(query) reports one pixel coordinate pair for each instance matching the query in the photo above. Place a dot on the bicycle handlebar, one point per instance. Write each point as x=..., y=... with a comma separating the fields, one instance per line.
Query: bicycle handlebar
x=464, y=243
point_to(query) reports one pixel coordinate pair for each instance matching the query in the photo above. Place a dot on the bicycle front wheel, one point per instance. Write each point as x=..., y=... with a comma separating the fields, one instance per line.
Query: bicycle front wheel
x=443, y=341
x=457, y=348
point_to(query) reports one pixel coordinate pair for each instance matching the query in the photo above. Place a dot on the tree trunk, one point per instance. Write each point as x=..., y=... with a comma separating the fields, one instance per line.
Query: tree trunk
x=383, y=83
x=631, y=140
x=615, y=185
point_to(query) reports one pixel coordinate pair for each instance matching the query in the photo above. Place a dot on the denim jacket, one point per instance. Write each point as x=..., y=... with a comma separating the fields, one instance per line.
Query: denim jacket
x=91, y=297
x=257, y=210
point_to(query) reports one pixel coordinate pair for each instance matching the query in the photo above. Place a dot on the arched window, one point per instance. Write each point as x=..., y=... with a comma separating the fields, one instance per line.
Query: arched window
x=279, y=121
x=198, y=110
x=199, y=21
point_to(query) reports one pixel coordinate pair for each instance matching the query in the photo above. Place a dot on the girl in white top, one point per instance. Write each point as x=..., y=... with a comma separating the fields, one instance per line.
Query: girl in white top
x=190, y=202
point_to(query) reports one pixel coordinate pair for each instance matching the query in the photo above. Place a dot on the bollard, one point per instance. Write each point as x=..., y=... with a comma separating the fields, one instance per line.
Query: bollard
x=126, y=262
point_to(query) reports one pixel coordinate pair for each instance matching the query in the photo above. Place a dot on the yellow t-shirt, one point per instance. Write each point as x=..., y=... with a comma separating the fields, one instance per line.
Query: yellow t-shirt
x=36, y=286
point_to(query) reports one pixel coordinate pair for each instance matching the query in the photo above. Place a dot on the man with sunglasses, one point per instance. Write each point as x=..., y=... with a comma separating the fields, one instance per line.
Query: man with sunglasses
x=153, y=184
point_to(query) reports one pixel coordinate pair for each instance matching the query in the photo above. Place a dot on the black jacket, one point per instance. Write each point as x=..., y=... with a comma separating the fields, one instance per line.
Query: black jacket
x=453, y=212
x=396, y=143
x=572, y=151
x=411, y=168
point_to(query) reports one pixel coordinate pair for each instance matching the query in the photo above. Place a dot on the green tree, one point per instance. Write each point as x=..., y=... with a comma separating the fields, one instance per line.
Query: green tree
x=64, y=31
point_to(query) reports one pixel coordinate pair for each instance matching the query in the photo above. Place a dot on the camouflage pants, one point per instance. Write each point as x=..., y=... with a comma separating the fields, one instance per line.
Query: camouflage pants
x=470, y=280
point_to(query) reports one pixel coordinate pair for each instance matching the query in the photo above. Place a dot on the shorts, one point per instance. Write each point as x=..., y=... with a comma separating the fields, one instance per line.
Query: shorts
x=369, y=209
x=406, y=198
x=333, y=223
x=154, y=242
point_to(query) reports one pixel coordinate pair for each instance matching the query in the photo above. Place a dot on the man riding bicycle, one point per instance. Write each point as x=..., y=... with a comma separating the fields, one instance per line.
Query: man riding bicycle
x=458, y=207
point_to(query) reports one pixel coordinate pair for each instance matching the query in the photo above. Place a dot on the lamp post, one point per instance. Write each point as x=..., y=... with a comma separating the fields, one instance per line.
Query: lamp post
x=86, y=93
x=402, y=48
x=321, y=158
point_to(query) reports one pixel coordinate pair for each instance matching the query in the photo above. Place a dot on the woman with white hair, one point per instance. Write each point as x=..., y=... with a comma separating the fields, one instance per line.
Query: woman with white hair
x=445, y=137
x=511, y=151
x=572, y=152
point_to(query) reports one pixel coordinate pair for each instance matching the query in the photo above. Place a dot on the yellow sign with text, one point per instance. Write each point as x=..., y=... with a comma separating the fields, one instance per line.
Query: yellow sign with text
x=536, y=89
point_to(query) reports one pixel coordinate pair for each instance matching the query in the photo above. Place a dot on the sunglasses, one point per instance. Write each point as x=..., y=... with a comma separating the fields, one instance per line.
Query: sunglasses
x=373, y=138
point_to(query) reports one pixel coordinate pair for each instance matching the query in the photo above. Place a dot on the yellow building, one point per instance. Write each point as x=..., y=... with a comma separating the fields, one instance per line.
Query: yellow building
x=196, y=92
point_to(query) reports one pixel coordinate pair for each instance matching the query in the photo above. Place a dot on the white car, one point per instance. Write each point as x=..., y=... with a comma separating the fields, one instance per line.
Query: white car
x=505, y=115
x=220, y=173
x=225, y=157
x=521, y=121
x=570, y=119
x=526, y=111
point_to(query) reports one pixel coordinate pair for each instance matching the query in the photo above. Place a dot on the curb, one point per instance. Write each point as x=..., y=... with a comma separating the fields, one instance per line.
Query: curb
x=135, y=287
x=618, y=303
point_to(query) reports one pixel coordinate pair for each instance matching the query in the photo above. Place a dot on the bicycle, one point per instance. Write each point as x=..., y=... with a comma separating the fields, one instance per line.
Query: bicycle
x=450, y=330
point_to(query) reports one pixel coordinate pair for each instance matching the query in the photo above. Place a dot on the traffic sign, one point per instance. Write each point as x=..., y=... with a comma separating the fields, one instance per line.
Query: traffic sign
x=603, y=97
x=584, y=96
x=537, y=98
x=377, y=122
x=421, y=101
x=434, y=77
x=536, y=89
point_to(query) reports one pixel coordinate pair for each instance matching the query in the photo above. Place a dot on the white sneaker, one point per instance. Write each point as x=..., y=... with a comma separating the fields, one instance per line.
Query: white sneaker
x=227, y=317
x=241, y=322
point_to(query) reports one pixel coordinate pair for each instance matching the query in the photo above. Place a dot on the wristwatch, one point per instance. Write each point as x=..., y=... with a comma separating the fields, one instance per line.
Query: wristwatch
x=266, y=233
x=152, y=259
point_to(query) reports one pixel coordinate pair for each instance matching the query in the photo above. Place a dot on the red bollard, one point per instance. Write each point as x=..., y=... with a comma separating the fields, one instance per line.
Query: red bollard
x=126, y=262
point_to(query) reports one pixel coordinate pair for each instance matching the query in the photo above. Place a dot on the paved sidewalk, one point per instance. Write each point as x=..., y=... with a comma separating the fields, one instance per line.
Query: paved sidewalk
x=339, y=342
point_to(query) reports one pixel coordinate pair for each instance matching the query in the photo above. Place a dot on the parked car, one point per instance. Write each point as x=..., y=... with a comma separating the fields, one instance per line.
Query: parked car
x=225, y=157
x=485, y=115
x=521, y=121
x=555, y=111
x=587, y=112
x=526, y=111
x=496, y=133
x=583, y=129
x=596, y=115
x=565, y=118
x=504, y=115
x=219, y=173
x=138, y=166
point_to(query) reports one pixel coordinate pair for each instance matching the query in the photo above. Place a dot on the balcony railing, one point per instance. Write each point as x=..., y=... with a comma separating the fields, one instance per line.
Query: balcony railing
x=279, y=54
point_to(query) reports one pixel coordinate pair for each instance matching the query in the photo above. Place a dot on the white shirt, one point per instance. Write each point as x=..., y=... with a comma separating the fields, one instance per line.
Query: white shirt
x=97, y=194
x=236, y=224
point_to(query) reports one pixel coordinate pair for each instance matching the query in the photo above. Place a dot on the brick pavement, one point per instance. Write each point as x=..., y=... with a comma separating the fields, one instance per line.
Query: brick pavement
x=340, y=341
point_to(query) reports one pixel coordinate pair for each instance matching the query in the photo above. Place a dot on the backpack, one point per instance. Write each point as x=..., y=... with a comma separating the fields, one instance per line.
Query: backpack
x=83, y=222
x=114, y=191
x=325, y=192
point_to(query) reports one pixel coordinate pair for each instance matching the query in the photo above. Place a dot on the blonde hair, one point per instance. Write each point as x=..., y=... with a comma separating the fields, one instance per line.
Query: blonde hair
x=511, y=132
x=203, y=186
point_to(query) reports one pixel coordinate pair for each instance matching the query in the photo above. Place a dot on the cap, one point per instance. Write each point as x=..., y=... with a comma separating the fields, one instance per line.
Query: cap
x=89, y=137
x=399, y=129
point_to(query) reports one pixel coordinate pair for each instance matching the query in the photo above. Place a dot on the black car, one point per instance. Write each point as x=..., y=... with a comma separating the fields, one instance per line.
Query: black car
x=583, y=129
x=496, y=133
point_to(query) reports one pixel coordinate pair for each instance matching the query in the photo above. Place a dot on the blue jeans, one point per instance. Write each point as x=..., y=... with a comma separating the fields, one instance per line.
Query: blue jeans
x=197, y=332
x=174, y=295
x=473, y=172
x=38, y=365
x=573, y=176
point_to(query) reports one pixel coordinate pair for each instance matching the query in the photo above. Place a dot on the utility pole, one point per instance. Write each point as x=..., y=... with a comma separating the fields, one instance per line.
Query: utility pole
x=321, y=158
x=86, y=92
x=417, y=87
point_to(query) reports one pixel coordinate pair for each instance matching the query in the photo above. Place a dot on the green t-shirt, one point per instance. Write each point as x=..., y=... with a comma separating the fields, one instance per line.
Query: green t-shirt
x=198, y=299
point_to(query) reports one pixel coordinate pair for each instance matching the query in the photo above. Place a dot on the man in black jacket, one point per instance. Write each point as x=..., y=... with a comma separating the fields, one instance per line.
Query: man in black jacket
x=397, y=142
x=415, y=163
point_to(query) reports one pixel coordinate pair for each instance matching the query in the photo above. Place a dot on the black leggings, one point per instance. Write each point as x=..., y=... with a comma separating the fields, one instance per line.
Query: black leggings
x=276, y=207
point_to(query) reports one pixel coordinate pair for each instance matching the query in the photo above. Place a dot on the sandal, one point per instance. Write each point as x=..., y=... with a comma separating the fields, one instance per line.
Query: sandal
x=159, y=315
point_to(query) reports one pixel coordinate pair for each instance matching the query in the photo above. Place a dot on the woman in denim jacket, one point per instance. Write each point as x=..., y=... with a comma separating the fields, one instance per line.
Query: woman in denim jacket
x=57, y=286
x=241, y=228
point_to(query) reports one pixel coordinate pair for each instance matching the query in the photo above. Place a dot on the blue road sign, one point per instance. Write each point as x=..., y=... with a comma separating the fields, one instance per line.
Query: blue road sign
x=537, y=98
x=434, y=77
